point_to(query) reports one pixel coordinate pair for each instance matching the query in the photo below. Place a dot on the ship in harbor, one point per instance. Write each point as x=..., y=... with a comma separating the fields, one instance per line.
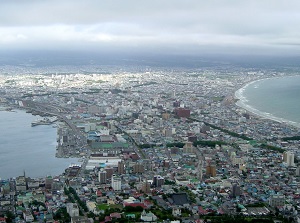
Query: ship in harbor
x=44, y=121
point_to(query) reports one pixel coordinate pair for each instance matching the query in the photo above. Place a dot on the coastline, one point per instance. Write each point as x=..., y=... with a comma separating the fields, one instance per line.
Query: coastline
x=242, y=103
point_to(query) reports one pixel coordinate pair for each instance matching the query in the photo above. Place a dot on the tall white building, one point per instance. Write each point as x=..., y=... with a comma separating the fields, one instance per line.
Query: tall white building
x=116, y=182
x=289, y=158
x=298, y=171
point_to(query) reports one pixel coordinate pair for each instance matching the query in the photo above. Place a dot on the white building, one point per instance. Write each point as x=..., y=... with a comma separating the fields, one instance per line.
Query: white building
x=176, y=212
x=288, y=158
x=72, y=209
x=237, y=160
x=116, y=182
x=92, y=207
x=148, y=216
x=28, y=216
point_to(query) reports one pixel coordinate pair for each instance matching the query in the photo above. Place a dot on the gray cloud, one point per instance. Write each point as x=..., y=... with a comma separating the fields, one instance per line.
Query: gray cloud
x=172, y=24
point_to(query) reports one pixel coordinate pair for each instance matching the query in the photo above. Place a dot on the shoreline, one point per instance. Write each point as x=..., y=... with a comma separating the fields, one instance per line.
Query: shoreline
x=242, y=103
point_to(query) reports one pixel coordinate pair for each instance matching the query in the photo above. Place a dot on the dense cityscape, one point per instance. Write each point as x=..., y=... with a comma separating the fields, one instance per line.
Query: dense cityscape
x=154, y=145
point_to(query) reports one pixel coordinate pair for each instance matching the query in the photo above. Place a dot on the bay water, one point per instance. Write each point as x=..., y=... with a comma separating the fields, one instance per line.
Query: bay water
x=26, y=148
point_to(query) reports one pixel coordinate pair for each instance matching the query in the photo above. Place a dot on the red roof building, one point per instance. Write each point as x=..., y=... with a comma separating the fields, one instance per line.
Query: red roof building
x=182, y=112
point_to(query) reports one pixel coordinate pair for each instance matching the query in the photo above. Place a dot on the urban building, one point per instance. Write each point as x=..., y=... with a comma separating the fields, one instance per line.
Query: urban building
x=121, y=167
x=289, y=158
x=158, y=181
x=116, y=182
x=21, y=184
x=165, y=116
x=236, y=190
x=148, y=217
x=211, y=170
x=138, y=168
x=298, y=171
x=146, y=187
x=188, y=147
x=48, y=182
x=72, y=209
x=109, y=172
x=182, y=112
x=277, y=200
x=102, y=177
x=80, y=219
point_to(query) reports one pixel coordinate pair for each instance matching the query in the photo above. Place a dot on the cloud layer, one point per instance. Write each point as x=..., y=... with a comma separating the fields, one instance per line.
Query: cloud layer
x=177, y=26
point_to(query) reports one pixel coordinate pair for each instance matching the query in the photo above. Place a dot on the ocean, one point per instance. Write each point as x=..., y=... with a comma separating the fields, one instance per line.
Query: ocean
x=273, y=98
x=26, y=148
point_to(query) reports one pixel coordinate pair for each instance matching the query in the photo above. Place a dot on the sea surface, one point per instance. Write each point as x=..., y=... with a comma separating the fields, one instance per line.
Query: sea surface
x=26, y=148
x=274, y=98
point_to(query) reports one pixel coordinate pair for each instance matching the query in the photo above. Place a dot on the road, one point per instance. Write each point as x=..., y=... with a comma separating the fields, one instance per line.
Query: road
x=137, y=150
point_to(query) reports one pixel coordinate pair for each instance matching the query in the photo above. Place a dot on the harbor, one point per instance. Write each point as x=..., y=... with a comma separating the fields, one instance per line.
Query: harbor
x=44, y=121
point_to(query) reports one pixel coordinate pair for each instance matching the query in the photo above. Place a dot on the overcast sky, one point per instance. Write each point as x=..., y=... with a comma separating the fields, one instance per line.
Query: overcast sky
x=179, y=26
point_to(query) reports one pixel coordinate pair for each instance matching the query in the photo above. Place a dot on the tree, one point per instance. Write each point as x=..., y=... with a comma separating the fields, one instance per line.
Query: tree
x=133, y=209
x=9, y=216
x=62, y=215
